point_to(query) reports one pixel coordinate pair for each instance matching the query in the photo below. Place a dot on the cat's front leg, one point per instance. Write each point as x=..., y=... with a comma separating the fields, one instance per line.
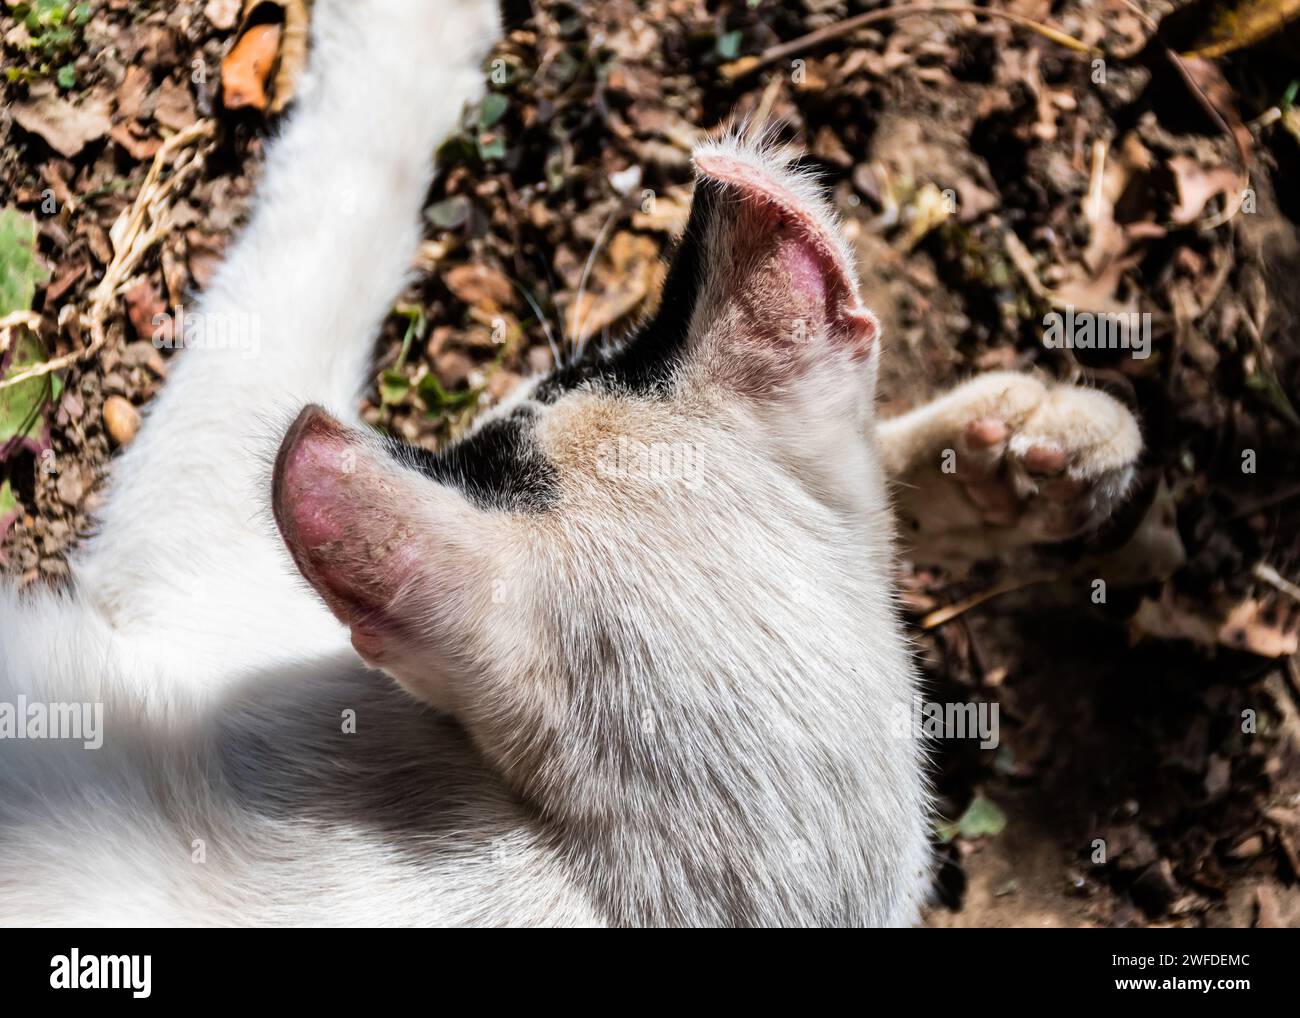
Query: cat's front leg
x=1003, y=461
x=185, y=556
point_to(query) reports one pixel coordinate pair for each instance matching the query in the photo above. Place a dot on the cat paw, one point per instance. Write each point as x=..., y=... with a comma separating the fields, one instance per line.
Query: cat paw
x=1010, y=460
x=1054, y=472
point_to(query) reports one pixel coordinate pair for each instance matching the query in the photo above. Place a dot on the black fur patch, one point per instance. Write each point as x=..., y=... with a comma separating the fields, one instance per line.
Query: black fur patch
x=645, y=363
x=497, y=467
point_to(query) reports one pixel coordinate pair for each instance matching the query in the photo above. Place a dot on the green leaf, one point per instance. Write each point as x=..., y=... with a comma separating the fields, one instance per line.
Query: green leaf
x=415, y=325
x=729, y=45
x=492, y=109
x=393, y=387
x=450, y=213
x=22, y=406
x=67, y=76
x=9, y=508
x=491, y=145
x=439, y=399
x=19, y=269
x=982, y=818
x=1263, y=381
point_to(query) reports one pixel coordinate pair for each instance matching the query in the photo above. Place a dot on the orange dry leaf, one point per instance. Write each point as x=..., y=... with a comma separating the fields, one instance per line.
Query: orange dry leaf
x=247, y=67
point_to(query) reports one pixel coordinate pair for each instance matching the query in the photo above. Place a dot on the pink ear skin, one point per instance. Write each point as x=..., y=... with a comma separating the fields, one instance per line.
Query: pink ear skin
x=813, y=263
x=328, y=498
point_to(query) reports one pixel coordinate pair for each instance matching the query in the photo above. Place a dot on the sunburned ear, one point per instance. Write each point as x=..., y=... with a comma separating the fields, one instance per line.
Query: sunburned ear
x=395, y=556
x=763, y=286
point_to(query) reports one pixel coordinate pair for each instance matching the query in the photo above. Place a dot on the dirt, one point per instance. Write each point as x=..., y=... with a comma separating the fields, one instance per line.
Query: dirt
x=1146, y=771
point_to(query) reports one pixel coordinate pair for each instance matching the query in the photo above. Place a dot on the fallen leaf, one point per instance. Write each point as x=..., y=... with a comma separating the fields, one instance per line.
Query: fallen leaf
x=1213, y=91
x=9, y=509
x=68, y=275
x=20, y=270
x=1214, y=28
x=629, y=277
x=928, y=209
x=983, y=818
x=287, y=51
x=139, y=149
x=1121, y=183
x=24, y=422
x=143, y=304
x=133, y=94
x=175, y=107
x=1243, y=626
x=664, y=213
x=1198, y=186
x=450, y=213
x=247, y=67
x=481, y=286
x=64, y=127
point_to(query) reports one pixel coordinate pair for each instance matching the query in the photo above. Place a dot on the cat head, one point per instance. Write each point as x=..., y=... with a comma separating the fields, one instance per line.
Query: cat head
x=654, y=585
x=681, y=508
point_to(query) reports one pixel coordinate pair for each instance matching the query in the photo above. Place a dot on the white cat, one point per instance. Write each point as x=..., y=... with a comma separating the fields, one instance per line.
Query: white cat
x=643, y=664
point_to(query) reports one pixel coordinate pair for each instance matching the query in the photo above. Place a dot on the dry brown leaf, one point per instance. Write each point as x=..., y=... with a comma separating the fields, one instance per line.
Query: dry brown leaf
x=133, y=94
x=1123, y=171
x=65, y=128
x=247, y=67
x=1243, y=626
x=143, y=304
x=137, y=148
x=175, y=108
x=1212, y=90
x=1077, y=288
x=668, y=214
x=629, y=278
x=482, y=287
x=1198, y=186
x=1236, y=24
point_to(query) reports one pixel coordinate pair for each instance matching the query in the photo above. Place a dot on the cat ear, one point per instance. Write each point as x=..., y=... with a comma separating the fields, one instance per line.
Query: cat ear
x=763, y=285
x=394, y=555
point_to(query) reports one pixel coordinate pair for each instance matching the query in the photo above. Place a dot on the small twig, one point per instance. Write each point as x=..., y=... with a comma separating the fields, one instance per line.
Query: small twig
x=941, y=615
x=1212, y=111
x=63, y=360
x=11, y=321
x=1096, y=181
x=747, y=65
x=579, y=338
x=145, y=225
x=1268, y=502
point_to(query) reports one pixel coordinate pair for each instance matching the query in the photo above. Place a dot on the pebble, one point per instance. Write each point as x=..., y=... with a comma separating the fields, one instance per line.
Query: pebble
x=121, y=419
